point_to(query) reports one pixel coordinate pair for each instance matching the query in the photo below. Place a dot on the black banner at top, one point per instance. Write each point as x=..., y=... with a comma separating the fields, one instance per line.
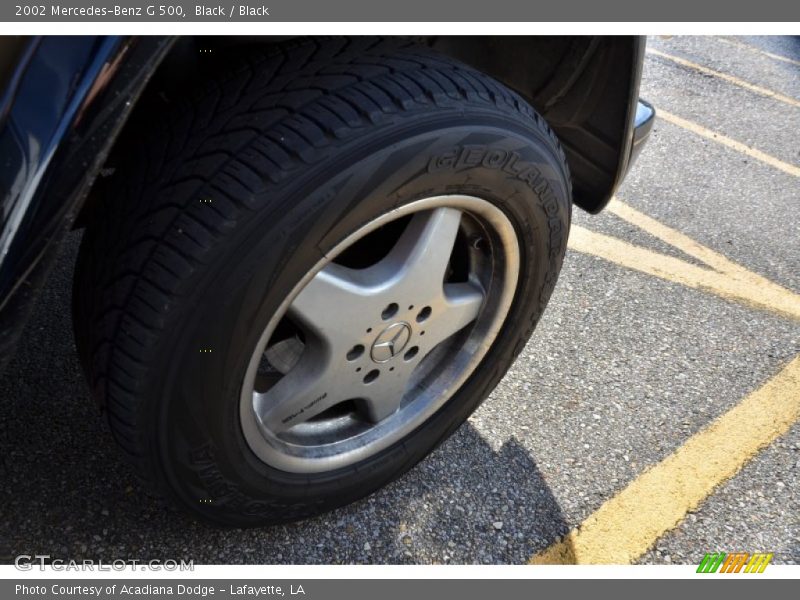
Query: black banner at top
x=445, y=11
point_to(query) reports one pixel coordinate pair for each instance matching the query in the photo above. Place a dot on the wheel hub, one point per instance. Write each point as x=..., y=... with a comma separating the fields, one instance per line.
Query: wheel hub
x=390, y=342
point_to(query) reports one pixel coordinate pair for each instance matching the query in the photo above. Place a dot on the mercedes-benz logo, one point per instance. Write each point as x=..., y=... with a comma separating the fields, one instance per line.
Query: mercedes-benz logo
x=390, y=342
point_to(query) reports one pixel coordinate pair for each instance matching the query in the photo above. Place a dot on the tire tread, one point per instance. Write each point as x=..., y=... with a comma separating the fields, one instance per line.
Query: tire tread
x=282, y=107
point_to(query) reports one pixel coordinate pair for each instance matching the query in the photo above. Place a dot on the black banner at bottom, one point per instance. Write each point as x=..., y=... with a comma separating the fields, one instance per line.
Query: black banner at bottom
x=378, y=589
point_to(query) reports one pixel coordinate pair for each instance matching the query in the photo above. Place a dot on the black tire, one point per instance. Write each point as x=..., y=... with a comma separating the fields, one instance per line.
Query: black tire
x=296, y=149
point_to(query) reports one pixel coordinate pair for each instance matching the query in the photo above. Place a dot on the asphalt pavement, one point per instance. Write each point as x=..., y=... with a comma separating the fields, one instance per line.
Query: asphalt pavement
x=623, y=370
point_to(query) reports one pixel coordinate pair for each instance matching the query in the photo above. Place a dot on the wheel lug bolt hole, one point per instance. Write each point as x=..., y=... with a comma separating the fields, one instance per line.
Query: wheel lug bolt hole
x=424, y=314
x=369, y=329
x=389, y=311
x=371, y=376
x=355, y=352
x=411, y=353
x=411, y=307
x=358, y=370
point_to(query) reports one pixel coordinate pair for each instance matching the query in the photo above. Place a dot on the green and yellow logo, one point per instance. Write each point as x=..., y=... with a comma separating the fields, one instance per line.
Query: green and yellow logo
x=734, y=562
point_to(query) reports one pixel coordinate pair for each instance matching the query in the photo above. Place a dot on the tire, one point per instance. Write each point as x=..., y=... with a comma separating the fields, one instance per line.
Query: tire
x=228, y=202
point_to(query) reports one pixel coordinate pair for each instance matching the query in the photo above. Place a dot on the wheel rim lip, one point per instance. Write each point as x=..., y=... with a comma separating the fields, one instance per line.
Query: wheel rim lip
x=307, y=459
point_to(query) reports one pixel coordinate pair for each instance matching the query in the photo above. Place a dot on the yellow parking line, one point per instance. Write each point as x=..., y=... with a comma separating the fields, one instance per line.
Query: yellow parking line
x=628, y=524
x=772, y=293
x=746, y=46
x=729, y=142
x=675, y=238
x=735, y=283
x=725, y=77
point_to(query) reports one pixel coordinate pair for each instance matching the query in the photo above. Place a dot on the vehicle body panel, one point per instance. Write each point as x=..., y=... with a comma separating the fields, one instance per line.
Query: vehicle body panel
x=66, y=99
x=64, y=106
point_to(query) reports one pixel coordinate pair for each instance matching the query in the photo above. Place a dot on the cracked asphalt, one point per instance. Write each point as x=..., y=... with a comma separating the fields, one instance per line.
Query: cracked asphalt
x=622, y=370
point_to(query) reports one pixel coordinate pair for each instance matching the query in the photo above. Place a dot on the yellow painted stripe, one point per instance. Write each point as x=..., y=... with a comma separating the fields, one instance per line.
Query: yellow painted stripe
x=628, y=524
x=729, y=142
x=725, y=77
x=736, y=283
x=671, y=236
x=756, y=284
x=751, y=48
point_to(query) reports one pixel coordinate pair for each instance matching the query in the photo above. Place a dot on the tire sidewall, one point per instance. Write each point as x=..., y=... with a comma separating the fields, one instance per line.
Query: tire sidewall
x=204, y=460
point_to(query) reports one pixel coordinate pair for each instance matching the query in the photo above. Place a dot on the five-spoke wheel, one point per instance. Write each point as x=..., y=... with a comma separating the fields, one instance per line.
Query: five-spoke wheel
x=313, y=269
x=361, y=355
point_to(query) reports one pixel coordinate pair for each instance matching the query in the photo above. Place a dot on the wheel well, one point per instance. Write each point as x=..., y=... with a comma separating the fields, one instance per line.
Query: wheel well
x=584, y=86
